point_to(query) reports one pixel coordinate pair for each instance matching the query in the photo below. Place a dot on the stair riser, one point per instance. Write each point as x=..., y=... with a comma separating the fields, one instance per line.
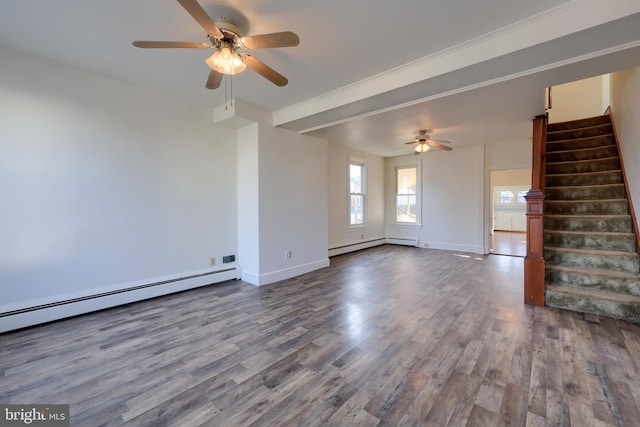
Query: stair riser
x=614, y=225
x=588, y=207
x=580, y=133
x=575, y=144
x=597, y=178
x=615, y=191
x=580, y=123
x=593, y=281
x=618, y=310
x=603, y=165
x=629, y=264
x=591, y=241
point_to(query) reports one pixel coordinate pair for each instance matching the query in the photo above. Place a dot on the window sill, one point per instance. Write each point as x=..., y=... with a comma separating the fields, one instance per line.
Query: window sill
x=356, y=226
x=405, y=225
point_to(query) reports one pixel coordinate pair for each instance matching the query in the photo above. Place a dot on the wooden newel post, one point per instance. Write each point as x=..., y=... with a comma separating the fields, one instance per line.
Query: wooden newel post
x=534, y=260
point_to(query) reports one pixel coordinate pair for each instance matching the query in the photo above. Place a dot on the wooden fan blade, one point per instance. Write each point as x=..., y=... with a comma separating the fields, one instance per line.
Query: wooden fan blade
x=438, y=145
x=283, y=39
x=198, y=13
x=265, y=71
x=157, y=44
x=214, y=79
x=411, y=142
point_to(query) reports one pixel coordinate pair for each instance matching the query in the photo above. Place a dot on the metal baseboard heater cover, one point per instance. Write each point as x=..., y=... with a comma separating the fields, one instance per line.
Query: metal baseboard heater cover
x=105, y=294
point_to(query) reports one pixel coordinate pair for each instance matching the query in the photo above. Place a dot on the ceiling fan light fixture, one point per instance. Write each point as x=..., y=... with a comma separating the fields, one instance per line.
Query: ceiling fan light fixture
x=226, y=61
x=422, y=147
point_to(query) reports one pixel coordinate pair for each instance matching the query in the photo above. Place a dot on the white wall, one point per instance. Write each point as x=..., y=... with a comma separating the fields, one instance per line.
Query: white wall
x=249, y=200
x=452, y=208
x=293, y=203
x=105, y=184
x=578, y=100
x=282, y=196
x=625, y=103
x=341, y=233
x=453, y=205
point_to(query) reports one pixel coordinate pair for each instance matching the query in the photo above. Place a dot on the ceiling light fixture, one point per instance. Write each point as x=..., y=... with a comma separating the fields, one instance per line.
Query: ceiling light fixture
x=422, y=147
x=226, y=61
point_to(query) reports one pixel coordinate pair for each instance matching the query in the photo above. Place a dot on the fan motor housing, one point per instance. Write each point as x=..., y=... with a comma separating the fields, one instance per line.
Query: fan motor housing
x=228, y=26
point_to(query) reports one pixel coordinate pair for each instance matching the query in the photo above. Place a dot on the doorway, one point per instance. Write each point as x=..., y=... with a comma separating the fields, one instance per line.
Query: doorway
x=508, y=225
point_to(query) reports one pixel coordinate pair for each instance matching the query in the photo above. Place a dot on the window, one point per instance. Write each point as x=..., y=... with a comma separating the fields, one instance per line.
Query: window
x=406, y=199
x=505, y=197
x=357, y=191
x=521, y=200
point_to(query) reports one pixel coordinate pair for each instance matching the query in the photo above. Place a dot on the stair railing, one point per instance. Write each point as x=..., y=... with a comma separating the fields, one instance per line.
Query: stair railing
x=534, y=260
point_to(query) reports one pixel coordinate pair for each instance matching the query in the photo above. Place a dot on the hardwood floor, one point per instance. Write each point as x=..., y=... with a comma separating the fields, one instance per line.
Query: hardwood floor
x=512, y=243
x=387, y=336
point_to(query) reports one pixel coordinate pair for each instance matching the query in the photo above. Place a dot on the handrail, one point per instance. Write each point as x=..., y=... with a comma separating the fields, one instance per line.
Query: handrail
x=534, y=260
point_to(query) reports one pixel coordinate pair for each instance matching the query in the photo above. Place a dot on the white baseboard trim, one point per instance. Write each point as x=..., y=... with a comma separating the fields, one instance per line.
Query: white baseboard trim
x=30, y=313
x=352, y=247
x=286, y=273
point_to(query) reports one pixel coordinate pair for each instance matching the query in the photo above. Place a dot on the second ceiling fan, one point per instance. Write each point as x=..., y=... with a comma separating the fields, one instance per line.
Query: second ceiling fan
x=230, y=56
x=424, y=142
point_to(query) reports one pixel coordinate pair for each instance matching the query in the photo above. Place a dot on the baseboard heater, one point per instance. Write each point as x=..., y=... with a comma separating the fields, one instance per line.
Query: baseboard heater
x=402, y=241
x=57, y=309
x=356, y=246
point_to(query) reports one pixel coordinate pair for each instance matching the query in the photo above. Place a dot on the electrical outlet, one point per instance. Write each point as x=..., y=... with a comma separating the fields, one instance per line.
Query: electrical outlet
x=288, y=254
x=361, y=236
x=213, y=262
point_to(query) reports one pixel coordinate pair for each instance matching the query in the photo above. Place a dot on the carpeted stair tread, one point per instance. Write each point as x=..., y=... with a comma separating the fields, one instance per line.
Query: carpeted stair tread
x=591, y=192
x=600, y=294
x=582, y=166
x=576, y=143
x=593, y=301
x=591, y=233
x=595, y=258
x=584, y=178
x=588, y=207
x=614, y=223
x=603, y=240
x=596, y=271
x=593, y=278
x=579, y=123
x=589, y=216
x=591, y=153
x=585, y=132
x=593, y=251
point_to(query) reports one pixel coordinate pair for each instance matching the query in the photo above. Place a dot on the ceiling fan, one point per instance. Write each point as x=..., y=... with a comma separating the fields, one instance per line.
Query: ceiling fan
x=226, y=38
x=424, y=142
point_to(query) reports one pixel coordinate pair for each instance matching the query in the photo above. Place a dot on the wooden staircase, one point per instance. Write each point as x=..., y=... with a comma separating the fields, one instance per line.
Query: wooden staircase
x=591, y=263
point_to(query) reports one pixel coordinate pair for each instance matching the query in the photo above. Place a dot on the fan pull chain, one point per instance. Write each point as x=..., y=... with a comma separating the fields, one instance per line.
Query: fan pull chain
x=226, y=96
x=228, y=91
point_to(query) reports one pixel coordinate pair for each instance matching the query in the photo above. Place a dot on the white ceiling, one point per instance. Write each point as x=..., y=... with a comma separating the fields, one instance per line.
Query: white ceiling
x=369, y=74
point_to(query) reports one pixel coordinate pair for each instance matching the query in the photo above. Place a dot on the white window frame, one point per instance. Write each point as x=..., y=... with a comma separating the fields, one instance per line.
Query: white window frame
x=418, y=195
x=357, y=161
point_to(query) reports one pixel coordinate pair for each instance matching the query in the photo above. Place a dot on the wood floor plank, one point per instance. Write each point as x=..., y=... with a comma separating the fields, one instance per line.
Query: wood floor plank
x=387, y=336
